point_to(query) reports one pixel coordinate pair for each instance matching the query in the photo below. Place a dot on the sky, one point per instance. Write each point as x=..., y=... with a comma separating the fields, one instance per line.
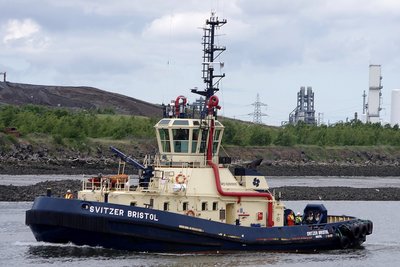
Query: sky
x=151, y=50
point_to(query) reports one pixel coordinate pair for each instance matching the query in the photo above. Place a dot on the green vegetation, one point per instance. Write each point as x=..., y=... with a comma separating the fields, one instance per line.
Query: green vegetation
x=354, y=133
x=63, y=125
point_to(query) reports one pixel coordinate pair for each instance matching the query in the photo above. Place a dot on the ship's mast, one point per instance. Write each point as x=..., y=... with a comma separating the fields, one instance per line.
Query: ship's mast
x=211, y=53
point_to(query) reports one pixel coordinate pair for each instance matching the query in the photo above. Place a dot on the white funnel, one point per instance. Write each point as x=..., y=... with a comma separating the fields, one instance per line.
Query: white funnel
x=395, y=107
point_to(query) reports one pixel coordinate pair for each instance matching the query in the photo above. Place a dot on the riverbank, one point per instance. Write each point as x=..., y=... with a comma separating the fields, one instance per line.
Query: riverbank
x=43, y=158
x=90, y=166
x=58, y=189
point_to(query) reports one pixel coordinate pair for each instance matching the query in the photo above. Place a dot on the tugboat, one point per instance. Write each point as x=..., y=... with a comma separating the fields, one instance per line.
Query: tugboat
x=185, y=198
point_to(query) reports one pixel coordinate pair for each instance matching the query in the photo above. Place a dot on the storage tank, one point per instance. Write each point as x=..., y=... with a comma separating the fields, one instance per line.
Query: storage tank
x=395, y=108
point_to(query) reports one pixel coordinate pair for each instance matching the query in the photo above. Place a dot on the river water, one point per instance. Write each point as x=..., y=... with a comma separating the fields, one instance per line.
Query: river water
x=276, y=181
x=19, y=248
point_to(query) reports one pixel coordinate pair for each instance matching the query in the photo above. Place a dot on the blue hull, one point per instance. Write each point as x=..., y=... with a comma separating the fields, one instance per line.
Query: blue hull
x=58, y=220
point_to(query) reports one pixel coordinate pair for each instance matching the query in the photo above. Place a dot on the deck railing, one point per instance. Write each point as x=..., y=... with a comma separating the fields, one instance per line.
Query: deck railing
x=339, y=218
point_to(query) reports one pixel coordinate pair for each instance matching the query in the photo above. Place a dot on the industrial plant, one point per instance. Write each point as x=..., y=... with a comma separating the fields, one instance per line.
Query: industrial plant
x=371, y=110
x=304, y=110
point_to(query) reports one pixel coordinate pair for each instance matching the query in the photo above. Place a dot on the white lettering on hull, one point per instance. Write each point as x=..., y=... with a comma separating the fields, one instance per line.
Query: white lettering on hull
x=120, y=212
x=316, y=233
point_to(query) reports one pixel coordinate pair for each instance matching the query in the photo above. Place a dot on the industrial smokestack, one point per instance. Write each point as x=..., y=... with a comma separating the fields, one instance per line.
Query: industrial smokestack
x=395, y=107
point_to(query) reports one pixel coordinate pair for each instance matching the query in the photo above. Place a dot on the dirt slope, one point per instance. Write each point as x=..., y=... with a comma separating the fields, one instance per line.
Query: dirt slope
x=75, y=97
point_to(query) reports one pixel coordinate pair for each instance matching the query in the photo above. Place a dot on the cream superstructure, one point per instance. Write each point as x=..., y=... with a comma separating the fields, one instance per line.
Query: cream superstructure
x=184, y=183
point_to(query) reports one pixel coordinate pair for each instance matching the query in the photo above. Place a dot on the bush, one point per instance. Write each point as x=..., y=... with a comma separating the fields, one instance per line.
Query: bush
x=77, y=126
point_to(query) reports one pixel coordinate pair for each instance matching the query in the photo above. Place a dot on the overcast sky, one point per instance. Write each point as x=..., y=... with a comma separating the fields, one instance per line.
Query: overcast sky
x=151, y=50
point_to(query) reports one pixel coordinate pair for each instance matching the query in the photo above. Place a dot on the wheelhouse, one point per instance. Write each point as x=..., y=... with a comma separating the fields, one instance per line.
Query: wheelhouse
x=186, y=140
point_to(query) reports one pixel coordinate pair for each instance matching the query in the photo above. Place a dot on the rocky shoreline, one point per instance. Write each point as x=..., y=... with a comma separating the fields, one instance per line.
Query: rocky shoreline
x=24, y=158
x=58, y=189
x=280, y=168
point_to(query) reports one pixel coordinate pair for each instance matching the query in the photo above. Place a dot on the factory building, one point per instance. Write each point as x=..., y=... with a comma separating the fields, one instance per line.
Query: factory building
x=304, y=110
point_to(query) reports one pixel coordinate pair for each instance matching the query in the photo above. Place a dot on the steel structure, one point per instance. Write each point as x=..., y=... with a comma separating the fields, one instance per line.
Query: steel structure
x=258, y=114
x=374, y=94
x=305, y=107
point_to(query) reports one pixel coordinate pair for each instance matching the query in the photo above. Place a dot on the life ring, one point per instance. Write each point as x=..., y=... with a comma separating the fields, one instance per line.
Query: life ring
x=190, y=213
x=180, y=179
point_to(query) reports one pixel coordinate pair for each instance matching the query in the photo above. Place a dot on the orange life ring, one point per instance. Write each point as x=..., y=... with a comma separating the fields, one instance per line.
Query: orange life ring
x=180, y=179
x=190, y=213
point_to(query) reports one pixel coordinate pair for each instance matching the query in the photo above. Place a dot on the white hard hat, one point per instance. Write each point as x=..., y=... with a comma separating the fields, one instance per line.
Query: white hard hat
x=298, y=213
x=68, y=191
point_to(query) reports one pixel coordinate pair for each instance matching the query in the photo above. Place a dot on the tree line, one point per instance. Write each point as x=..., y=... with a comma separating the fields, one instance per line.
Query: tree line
x=353, y=133
x=76, y=125
x=63, y=124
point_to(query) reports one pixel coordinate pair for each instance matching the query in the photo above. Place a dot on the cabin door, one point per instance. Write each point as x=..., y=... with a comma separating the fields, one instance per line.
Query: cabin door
x=230, y=213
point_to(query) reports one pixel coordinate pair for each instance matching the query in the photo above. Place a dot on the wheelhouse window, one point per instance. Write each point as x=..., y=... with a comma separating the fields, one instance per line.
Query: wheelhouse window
x=164, y=138
x=181, y=140
x=180, y=122
x=216, y=140
x=164, y=122
x=195, y=138
x=203, y=143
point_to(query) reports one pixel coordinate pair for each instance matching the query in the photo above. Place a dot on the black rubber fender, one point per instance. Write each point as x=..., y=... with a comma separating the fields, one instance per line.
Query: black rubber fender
x=370, y=227
x=356, y=231
x=344, y=242
x=345, y=229
x=364, y=229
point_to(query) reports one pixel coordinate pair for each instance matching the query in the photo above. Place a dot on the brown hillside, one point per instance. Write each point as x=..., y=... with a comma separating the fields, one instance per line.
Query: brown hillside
x=80, y=97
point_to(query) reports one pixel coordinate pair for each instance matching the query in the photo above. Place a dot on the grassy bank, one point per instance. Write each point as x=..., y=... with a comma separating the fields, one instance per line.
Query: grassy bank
x=63, y=133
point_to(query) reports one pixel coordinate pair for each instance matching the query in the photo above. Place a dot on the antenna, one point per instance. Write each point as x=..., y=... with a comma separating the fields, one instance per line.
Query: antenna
x=257, y=114
x=211, y=53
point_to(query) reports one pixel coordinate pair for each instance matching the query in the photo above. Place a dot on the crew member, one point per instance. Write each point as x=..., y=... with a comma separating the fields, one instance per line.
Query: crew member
x=290, y=219
x=317, y=217
x=69, y=195
x=299, y=218
x=310, y=217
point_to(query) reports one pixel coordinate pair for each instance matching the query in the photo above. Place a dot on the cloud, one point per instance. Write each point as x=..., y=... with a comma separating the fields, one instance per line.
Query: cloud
x=17, y=29
x=24, y=34
x=179, y=25
x=273, y=47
